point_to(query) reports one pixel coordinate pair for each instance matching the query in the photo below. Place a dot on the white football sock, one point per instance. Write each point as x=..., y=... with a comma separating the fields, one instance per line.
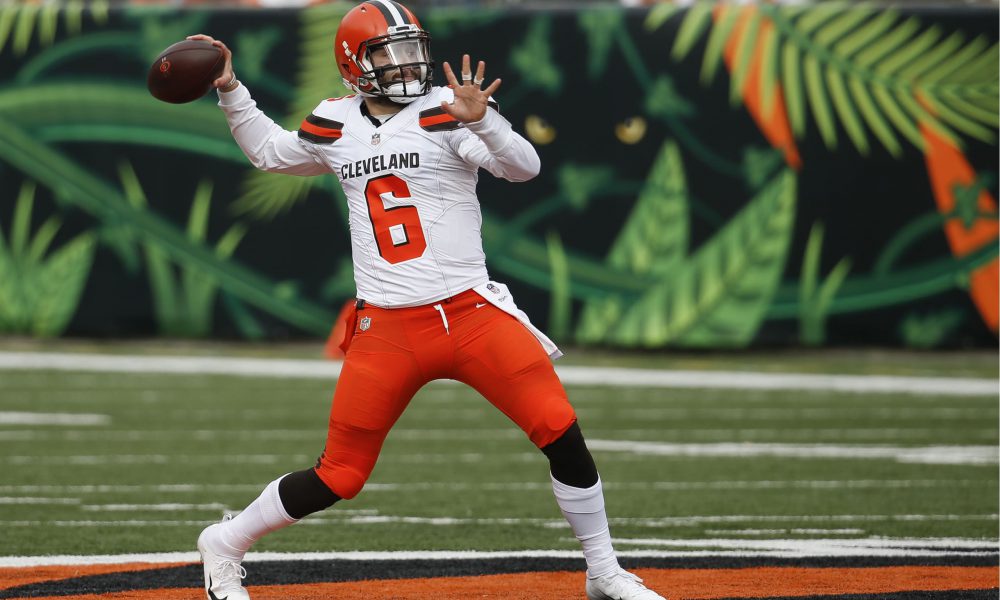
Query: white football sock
x=584, y=509
x=264, y=515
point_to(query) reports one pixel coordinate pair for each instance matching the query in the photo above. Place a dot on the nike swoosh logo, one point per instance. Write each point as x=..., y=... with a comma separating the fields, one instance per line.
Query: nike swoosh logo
x=479, y=305
x=211, y=594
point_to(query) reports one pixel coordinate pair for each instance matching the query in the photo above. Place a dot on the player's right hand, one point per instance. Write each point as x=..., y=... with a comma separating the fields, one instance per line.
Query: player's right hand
x=227, y=74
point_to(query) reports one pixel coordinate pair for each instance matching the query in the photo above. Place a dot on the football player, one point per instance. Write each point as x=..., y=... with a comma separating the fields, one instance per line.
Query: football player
x=407, y=154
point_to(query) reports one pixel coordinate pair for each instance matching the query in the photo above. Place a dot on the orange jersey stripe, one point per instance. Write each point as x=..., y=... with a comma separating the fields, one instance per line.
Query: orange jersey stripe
x=321, y=131
x=442, y=118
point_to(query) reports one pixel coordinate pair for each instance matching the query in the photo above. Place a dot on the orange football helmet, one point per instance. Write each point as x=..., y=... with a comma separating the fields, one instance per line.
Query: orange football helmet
x=382, y=51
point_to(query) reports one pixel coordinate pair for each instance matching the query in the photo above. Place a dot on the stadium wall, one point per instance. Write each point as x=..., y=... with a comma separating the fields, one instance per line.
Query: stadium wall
x=713, y=177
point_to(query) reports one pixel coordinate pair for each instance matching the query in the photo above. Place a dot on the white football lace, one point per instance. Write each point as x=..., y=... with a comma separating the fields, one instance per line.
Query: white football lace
x=228, y=573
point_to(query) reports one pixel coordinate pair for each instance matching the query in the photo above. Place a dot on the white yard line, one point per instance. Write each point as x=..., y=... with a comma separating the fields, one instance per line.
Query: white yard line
x=33, y=501
x=937, y=455
x=688, y=521
x=401, y=434
x=653, y=522
x=781, y=549
x=934, y=455
x=162, y=507
x=774, y=532
x=571, y=375
x=872, y=543
x=91, y=460
x=517, y=486
x=867, y=414
x=47, y=418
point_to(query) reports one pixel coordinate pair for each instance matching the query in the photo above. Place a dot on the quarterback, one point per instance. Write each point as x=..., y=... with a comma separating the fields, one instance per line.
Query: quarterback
x=408, y=155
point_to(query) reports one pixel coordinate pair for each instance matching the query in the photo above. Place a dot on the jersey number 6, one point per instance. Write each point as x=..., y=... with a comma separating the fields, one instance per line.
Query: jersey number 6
x=397, y=230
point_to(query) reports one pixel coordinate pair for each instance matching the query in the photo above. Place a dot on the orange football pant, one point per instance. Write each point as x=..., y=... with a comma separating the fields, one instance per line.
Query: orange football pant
x=394, y=352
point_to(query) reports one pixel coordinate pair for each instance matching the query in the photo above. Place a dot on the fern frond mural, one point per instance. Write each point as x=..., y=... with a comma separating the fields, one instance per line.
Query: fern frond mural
x=183, y=304
x=875, y=73
x=718, y=296
x=21, y=23
x=39, y=289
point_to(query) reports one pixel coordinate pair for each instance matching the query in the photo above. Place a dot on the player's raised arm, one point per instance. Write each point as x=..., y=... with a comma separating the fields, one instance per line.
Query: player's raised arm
x=267, y=145
x=495, y=146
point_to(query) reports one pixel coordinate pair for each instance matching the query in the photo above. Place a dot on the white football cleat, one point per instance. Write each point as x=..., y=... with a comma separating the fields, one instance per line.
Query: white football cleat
x=223, y=576
x=620, y=585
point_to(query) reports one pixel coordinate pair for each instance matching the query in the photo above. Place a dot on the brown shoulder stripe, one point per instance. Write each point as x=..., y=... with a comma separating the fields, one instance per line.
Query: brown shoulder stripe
x=320, y=131
x=435, y=119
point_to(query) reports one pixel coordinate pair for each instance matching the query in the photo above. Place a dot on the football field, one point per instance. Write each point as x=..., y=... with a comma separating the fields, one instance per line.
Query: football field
x=834, y=461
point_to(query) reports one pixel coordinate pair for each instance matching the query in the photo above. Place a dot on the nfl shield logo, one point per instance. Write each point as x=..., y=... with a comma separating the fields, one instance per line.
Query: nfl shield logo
x=376, y=138
x=366, y=323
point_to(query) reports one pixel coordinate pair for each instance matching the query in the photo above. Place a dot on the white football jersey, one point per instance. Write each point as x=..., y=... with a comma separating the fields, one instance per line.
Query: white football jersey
x=410, y=185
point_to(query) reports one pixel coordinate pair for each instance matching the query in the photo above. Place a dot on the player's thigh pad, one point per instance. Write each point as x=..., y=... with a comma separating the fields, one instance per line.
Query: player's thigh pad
x=507, y=365
x=374, y=387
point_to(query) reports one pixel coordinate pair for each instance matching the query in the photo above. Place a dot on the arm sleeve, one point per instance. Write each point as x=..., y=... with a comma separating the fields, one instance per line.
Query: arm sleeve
x=268, y=146
x=491, y=143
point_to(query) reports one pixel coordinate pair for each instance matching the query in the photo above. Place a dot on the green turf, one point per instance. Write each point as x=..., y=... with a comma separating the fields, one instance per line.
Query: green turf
x=453, y=456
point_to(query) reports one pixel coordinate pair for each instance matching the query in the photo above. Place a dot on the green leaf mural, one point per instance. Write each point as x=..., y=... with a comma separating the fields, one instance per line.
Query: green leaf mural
x=655, y=237
x=599, y=26
x=98, y=198
x=815, y=298
x=721, y=294
x=21, y=23
x=652, y=243
x=162, y=27
x=183, y=305
x=532, y=58
x=929, y=330
x=871, y=71
x=39, y=295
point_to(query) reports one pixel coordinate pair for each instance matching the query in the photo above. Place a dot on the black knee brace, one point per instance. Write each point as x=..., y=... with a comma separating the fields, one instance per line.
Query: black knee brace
x=303, y=493
x=570, y=461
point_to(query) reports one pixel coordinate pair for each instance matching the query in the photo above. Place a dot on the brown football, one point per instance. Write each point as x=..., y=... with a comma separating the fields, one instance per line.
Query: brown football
x=185, y=71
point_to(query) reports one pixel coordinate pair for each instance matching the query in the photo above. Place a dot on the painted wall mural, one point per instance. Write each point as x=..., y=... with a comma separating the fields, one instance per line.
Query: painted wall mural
x=713, y=176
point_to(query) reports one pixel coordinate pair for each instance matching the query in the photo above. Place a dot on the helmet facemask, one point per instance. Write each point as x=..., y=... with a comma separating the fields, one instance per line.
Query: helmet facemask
x=397, y=66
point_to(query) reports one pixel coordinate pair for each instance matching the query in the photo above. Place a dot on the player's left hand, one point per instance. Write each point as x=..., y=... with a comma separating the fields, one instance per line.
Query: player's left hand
x=470, y=101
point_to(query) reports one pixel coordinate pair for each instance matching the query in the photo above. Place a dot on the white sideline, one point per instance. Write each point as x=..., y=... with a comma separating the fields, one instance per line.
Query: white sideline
x=865, y=547
x=571, y=375
x=927, y=455
x=646, y=522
